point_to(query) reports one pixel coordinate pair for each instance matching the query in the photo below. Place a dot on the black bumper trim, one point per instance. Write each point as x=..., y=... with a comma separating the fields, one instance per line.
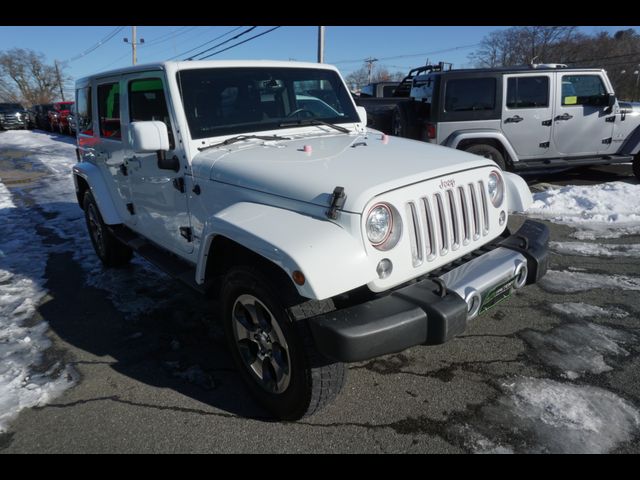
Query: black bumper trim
x=416, y=314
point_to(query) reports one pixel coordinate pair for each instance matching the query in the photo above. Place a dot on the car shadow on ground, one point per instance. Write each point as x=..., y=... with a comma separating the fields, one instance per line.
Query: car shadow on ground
x=178, y=345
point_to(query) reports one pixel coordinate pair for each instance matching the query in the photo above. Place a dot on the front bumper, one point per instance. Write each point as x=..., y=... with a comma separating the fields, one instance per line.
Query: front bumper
x=434, y=310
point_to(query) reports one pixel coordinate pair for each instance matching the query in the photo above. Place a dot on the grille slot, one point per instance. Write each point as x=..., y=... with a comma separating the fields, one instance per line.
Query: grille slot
x=442, y=222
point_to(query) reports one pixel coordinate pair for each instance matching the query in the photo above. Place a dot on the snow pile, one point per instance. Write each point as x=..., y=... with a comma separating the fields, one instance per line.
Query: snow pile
x=578, y=348
x=596, y=250
x=545, y=416
x=571, y=282
x=607, y=210
x=22, y=338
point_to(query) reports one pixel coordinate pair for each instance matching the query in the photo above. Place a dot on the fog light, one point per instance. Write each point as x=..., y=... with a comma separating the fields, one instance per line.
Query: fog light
x=503, y=217
x=384, y=268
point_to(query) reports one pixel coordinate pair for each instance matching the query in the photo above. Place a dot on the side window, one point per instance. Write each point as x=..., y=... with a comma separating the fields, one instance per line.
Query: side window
x=109, y=110
x=147, y=102
x=470, y=95
x=581, y=89
x=528, y=92
x=83, y=111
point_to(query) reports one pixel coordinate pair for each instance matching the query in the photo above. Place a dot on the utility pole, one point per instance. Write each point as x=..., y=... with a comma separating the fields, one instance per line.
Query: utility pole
x=320, y=44
x=59, y=80
x=134, y=44
x=370, y=62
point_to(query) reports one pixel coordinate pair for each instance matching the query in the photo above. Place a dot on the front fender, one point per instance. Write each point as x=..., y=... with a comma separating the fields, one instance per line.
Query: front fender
x=455, y=138
x=519, y=196
x=332, y=260
x=91, y=174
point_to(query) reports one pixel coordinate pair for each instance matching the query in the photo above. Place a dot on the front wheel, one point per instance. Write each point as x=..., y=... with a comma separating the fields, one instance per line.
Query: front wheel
x=276, y=356
x=488, y=151
x=636, y=166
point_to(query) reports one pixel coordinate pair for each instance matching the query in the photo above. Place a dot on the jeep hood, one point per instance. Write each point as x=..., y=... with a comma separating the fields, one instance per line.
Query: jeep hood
x=364, y=165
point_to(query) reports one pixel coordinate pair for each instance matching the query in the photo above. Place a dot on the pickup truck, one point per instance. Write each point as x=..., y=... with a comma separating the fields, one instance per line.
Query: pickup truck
x=534, y=117
x=58, y=117
x=258, y=183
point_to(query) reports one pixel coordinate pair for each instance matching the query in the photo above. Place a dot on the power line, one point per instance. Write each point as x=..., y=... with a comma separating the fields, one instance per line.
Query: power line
x=413, y=54
x=205, y=43
x=166, y=37
x=240, y=43
x=97, y=45
x=222, y=43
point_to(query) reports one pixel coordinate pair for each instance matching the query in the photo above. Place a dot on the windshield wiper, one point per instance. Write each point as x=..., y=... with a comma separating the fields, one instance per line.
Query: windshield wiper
x=241, y=138
x=315, y=121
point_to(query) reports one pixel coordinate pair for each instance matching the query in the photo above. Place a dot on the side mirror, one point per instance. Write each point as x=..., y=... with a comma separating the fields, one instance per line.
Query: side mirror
x=148, y=137
x=362, y=113
x=611, y=101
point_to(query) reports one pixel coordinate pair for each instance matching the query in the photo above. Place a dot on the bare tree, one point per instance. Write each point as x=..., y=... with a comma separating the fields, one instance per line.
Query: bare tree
x=359, y=78
x=25, y=77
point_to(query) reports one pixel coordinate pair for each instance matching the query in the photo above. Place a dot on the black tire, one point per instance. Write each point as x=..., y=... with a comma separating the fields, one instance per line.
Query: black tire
x=404, y=121
x=111, y=252
x=309, y=381
x=636, y=166
x=488, y=151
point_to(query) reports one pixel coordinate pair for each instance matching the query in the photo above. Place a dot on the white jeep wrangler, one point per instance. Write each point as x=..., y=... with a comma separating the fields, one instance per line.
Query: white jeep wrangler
x=257, y=181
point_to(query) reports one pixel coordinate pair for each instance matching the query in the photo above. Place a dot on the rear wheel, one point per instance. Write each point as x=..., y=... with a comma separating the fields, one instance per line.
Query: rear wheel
x=636, y=166
x=111, y=252
x=488, y=151
x=403, y=121
x=275, y=353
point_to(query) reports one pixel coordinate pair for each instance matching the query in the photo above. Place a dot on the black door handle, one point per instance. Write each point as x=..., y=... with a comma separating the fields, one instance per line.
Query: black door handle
x=514, y=119
x=566, y=116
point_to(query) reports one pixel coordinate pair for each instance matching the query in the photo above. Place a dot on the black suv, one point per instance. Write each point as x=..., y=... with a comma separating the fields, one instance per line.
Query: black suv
x=13, y=115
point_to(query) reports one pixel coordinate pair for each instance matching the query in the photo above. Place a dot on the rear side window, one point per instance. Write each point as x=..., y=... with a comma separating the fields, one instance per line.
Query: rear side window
x=147, y=102
x=470, y=95
x=83, y=111
x=109, y=110
x=528, y=92
x=581, y=89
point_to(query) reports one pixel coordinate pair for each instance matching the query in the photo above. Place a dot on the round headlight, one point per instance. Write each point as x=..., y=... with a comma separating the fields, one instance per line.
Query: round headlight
x=379, y=224
x=495, y=186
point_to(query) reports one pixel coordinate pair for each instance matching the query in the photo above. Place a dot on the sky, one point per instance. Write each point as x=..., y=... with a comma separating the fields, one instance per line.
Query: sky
x=398, y=48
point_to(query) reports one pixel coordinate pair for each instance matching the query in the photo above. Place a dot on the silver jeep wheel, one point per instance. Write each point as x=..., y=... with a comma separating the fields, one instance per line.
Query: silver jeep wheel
x=261, y=343
x=95, y=229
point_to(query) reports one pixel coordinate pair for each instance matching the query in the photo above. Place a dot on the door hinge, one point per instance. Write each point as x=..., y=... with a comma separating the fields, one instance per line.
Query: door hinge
x=610, y=119
x=607, y=141
x=186, y=233
x=130, y=208
x=547, y=123
x=544, y=145
x=178, y=184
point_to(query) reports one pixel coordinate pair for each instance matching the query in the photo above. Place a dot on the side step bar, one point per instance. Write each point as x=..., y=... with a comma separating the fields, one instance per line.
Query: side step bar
x=524, y=165
x=171, y=264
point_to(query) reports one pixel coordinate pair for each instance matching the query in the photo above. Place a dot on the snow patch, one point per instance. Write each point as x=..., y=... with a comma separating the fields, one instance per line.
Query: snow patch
x=598, y=250
x=545, y=416
x=584, y=310
x=578, y=348
x=571, y=282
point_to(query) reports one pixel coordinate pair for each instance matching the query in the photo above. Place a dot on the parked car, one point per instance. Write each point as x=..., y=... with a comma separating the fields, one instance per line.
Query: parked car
x=533, y=117
x=325, y=243
x=12, y=116
x=71, y=121
x=41, y=115
x=58, y=117
x=379, y=89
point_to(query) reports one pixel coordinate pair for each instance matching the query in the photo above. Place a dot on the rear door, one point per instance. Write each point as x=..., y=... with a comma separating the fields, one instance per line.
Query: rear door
x=527, y=114
x=158, y=194
x=108, y=146
x=581, y=126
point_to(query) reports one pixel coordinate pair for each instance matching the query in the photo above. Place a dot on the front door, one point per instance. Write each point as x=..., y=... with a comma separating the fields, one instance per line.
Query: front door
x=580, y=125
x=158, y=193
x=527, y=114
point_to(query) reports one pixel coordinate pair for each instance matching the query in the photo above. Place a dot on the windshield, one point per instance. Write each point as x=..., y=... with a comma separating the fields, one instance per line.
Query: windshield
x=64, y=106
x=10, y=107
x=228, y=101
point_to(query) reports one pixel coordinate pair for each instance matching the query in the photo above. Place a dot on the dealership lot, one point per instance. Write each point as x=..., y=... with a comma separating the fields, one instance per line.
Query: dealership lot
x=132, y=361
